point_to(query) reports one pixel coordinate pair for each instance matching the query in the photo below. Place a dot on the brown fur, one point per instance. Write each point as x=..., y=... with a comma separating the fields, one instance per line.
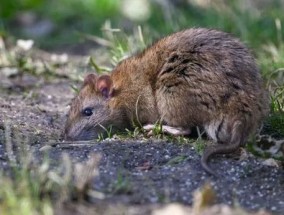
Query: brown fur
x=196, y=77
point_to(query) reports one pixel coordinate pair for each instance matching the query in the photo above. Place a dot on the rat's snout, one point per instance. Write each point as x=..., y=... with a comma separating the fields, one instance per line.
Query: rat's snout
x=75, y=133
x=71, y=133
x=67, y=134
x=83, y=135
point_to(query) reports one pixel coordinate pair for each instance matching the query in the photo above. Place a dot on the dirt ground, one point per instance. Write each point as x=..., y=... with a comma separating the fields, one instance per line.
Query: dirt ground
x=135, y=176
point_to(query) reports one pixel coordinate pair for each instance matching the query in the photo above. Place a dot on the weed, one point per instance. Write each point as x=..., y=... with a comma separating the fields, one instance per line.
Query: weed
x=177, y=160
x=108, y=133
x=75, y=89
x=122, y=185
x=277, y=100
x=22, y=194
x=99, y=69
x=274, y=124
x=158, y=129
x=29, y=186
x=199, y=145
x=84, y=174
x=28, y=190
x=100, y=137
x=135, y=133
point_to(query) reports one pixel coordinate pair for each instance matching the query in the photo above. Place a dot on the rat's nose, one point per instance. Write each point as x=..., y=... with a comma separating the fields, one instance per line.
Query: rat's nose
x=72, y=137
x=67, y=137
x=68, y=134
x=75, y=134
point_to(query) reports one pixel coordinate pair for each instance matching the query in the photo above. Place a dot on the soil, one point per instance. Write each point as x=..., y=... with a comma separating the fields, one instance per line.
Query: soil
x=135, y=175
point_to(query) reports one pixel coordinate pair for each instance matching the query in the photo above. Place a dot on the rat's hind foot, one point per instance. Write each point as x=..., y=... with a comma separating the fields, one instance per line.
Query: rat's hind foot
x=175, y=131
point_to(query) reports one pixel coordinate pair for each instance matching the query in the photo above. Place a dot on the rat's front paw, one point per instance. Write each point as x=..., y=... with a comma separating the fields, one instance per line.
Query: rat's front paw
x=175, y=131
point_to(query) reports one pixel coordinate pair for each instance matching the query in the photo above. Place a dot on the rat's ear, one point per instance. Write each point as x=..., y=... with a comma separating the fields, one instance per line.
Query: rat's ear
x=90, y=79
x=105, y=86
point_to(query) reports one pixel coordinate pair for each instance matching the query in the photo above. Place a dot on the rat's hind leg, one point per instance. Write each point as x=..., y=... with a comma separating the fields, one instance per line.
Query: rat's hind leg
x=175, y=131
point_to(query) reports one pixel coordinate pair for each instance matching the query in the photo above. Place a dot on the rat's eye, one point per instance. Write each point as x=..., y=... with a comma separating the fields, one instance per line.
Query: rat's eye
x=87, y=111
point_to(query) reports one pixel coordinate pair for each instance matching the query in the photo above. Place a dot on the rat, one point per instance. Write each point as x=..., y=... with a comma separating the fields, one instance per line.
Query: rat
x=195, y=77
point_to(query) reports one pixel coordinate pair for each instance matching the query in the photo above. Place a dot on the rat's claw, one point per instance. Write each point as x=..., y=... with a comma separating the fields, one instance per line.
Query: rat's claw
x=149, y=128
x=176, y=131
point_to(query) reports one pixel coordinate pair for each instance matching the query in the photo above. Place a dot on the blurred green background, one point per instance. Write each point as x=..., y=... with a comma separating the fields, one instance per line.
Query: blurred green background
x=56, y=22
x=59, y=24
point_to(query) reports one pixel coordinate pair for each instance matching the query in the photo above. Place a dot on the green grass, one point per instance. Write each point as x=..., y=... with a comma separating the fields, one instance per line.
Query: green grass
x=108, y=133
x=31, y=189
x=29, y=186
x=178, y=159
x=26, y=191
x=199, y=145
x=122, y=185
x=275, y=124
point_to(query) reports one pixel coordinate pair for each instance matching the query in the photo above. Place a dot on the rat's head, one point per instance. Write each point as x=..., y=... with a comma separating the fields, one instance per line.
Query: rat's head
x=90, y=113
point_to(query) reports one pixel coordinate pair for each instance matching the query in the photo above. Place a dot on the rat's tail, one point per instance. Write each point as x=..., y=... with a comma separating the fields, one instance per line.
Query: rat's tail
x=237, y=137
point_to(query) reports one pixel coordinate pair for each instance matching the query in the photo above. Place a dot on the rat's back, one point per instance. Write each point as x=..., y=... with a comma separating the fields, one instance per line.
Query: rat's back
x=210, y=79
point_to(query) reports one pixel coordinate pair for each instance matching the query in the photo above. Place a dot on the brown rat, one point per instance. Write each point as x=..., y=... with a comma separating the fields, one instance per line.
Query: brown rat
x=196, y=77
